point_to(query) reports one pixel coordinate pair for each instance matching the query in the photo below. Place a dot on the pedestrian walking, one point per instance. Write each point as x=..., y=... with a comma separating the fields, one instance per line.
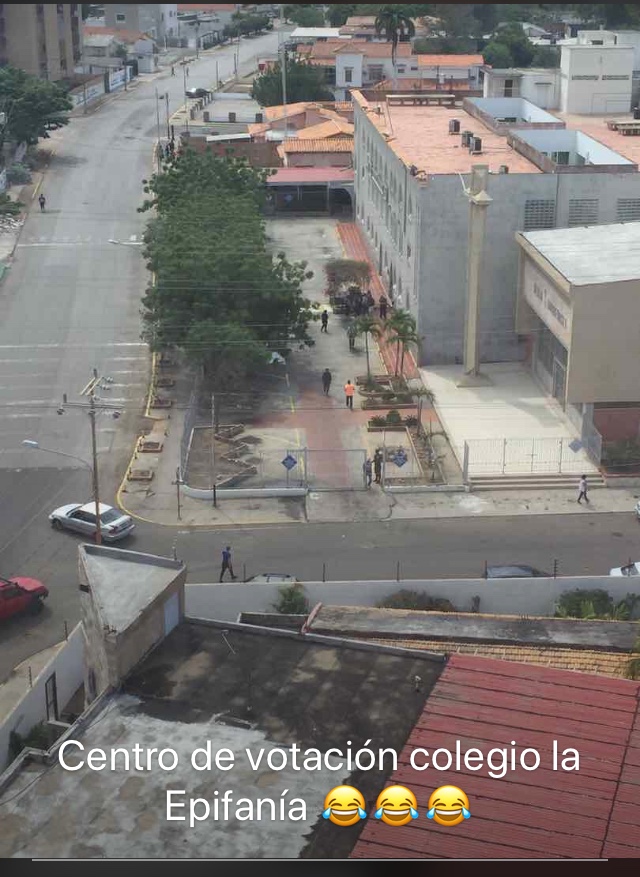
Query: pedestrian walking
x=187, y=71
x=326, y=381
x=167, y=151
x=42, y=201
x=173, y=70
x=370, y=302
x=383, y=303
x=325, y=320
x=349, y=392
x=582, y=489
x=377, y=466
x=226, y=563
x=368, y=470
x=351, y=335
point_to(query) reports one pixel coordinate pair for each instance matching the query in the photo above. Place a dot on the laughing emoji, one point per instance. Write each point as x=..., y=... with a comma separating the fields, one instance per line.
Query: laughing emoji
x=344, y=805
x=448, y=805
x=396, y=805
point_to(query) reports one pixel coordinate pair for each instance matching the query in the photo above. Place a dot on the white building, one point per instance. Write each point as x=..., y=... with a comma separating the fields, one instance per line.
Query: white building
x=410, y=165
x=159, y=20
x=595, y=77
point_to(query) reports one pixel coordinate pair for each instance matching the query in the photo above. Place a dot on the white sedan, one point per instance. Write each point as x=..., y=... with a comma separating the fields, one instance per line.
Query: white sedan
x=81, y=518
x=631, y=569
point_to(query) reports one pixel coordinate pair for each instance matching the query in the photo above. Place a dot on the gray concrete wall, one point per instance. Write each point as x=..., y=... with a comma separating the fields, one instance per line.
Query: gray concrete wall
x=500, y=596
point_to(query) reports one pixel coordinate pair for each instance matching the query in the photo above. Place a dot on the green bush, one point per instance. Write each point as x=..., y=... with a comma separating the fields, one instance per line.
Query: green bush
x=595, y=604
x=394, y=418
x=292, y=600
x=378, y=420
x=9, y=207
x=410, y=420
x=407, y=599
x=622, y=454
x=18, y=173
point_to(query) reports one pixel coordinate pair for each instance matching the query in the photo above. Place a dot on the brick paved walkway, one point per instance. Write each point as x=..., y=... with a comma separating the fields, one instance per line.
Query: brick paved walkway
x=355, y=247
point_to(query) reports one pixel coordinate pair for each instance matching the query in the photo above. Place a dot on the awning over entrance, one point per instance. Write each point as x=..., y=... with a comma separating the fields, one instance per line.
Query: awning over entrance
x=312, y=189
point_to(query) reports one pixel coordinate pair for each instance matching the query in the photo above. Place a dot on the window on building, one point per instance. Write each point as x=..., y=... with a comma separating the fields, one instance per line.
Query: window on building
x=51, y=698
x=376, y=73
x=628, y=210
x=583, y=211
x=120, y=17
x=539, y=213
x=508, y=88
x=348, y=74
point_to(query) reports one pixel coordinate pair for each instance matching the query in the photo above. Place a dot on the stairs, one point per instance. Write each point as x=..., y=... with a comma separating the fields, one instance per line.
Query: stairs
x=536, y=481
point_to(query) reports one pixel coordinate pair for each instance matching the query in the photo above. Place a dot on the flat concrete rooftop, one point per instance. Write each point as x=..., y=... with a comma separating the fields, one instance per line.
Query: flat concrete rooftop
x=240, y=688
x=420, y=136
x=596, y=127
x=359, y=621
x=591, y=254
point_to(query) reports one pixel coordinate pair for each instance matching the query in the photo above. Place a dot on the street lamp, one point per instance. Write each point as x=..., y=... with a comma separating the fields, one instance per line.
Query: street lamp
x=31, y=443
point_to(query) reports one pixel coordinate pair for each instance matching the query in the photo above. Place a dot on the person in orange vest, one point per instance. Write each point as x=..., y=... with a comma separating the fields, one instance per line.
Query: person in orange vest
x=349, y=392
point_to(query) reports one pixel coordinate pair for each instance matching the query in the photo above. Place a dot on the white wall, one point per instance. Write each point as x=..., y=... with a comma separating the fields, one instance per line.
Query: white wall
x=541, y=88
x=344, y=60
x=596, y=79
x=68, y=665
x=501, y=596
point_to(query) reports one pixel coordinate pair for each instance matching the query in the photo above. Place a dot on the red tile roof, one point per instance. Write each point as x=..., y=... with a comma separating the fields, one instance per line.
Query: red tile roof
x=126, y=36
x=328, y=144
x=485, y=704
x=206, y=7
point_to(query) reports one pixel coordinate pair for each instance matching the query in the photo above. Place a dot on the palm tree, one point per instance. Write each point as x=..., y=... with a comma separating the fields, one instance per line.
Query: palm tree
x=368, y=325
x=403, y=331
x=394, y=23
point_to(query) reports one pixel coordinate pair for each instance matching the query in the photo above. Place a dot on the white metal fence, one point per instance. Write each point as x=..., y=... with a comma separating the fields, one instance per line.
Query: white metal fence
x=534, y=456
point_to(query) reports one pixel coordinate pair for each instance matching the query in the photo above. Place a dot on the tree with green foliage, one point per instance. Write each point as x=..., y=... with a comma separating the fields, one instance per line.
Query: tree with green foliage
x=497, y=55
x=32, y=106
x=337, y=15
x=394, y=24
x=520, y=49
x=611, y=15
x=546, y=56
x=304, y=83
x=304, y=15
x=218, y=294
x=403, y=332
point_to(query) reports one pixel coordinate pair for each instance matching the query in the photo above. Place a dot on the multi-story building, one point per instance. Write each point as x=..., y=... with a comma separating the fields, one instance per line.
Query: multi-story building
x=43, y=39
x=159, y=20
x=413, y=157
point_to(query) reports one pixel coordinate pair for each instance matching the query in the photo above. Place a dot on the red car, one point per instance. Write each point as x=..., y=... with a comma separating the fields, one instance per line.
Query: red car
x=20, y=595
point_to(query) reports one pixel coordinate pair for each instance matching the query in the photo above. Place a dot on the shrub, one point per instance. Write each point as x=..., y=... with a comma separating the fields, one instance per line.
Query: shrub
x=394, y=418
x=410, y=420
x=594, y=604
x=378, y=420
x=406, y=599
x=292, y=600
x=9, y=207
x=18, y=173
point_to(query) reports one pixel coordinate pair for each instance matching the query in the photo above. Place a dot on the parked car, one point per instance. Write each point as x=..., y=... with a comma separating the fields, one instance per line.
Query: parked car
x=279, y=578
x=82, y=519
x=196, y=92
x=21, y=595
x=631, y=569
x=516, y=571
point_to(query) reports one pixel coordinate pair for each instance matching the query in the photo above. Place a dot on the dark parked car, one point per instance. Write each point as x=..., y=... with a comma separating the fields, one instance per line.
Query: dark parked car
x=516, y=571
x=20, y=595
x=196, y=92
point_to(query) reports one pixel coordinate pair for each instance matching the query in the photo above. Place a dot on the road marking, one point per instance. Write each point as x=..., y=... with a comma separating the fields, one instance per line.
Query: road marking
x=55, y=244
x=126, y=243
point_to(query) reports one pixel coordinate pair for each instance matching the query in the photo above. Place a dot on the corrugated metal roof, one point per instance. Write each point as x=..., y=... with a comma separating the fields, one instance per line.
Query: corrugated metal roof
x=485, y=704
x=450, y=60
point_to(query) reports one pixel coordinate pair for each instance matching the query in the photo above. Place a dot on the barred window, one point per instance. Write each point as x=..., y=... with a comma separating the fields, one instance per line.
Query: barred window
x=583, y=211
x=539, y=213
x=628, y=210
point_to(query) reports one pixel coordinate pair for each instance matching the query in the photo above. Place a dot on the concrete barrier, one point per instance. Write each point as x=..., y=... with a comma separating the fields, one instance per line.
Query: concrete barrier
x=533, y=597
x=243, y=493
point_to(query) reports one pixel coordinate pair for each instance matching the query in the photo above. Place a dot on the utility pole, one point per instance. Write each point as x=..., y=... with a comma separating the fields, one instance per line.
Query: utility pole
x=166, y=100
x=284, y=89
x=178, y=483
x=94, y=458
x=186, y=106
x=217, y=77
x=213, y=449
x=158, y=99
x=479, y=200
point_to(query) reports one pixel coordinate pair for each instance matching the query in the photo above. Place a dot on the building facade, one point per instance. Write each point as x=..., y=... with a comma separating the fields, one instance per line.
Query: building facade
x=43, y=39
x=159, y=20
x=411, y=166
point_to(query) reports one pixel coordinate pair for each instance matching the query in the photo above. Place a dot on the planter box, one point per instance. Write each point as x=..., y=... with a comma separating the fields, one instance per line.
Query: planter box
x=385, y=406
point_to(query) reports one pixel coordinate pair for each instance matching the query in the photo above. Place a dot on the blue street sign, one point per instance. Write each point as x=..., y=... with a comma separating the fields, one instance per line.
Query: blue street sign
x=576, y=445
x=289, y=462
x=400, y=457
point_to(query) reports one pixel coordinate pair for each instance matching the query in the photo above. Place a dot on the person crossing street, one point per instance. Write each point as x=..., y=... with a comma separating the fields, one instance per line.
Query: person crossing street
x=227, y=564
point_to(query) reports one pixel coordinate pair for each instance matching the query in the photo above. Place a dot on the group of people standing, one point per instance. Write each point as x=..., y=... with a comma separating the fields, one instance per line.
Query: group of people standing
x=373, y=466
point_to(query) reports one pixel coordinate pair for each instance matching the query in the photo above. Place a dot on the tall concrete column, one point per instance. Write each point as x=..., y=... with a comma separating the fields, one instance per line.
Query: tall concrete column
x=479, y=200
